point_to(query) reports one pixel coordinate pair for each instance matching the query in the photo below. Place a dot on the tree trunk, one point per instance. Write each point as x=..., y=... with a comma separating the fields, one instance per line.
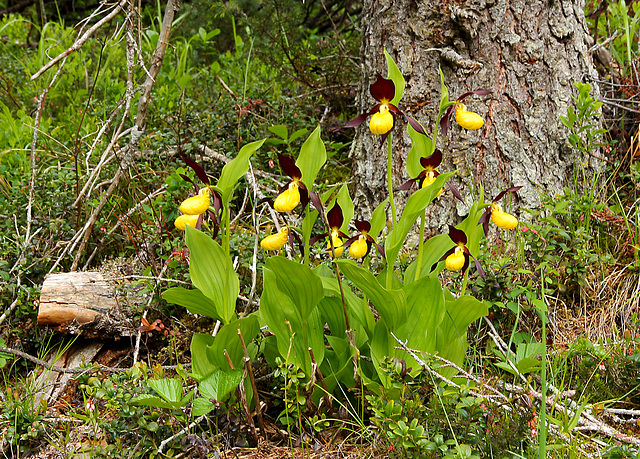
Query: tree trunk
x=528, y=52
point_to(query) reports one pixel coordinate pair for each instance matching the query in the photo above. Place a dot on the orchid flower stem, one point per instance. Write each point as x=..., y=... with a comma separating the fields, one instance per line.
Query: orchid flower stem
x=464, y=283
x=421, y=244
x=390, y=181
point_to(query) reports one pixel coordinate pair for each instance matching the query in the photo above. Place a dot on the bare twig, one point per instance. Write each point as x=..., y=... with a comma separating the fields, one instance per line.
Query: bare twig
x=81, y=41
x=252, y=379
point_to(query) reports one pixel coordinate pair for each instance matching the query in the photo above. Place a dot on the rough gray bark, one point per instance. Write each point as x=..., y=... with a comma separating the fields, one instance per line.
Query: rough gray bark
x=528, y=52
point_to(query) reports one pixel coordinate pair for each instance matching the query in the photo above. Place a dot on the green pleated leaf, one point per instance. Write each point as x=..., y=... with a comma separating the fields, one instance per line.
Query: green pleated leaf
x=416, y=203
x=312, y=157
x=390, y=303
x=298, y=283
x=378, y=219
x=220, y=384
x=395, y=75
x=234, y=170
x=346, y=204
x=212, y=273
x=194, y=300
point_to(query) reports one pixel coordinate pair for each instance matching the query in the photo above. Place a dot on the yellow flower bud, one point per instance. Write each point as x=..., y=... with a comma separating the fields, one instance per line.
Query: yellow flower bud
x=359, y=247
x=275, y=241
x=337, y=244
x=195, y=205
x=288, y=199
x=381, y=122
x=455, y=261
x=504, y=220
x=183, y=220
x=428, y=180
x=466, y=119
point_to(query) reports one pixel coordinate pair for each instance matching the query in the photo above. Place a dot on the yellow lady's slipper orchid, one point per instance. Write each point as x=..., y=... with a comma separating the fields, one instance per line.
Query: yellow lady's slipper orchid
x=383, y=91
x=337, y=244
x=195, y=205
x=288, y=199
x=275, y=241
x=183, y=220
x=456, y=260
x=494, y=211
x=468, y=120
x=429, y=178
x=502, y=219
x=359, y=247
x=382, y=121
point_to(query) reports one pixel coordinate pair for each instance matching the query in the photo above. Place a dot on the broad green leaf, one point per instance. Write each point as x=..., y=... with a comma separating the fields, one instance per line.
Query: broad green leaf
x=207, y=352
x=152, y=400
x=346, y=204
x=337, y=366
x=298, y=282
x=378, y=219
x=212, y=273
x=280, y=130
x=168, y=388
x=425, y=310
x=416, y=203
x=421, y=147
x=220, y=384
x=299, y=133
x=201, y=365
x=356, y=307
x=382, y=345
x=451, y=341
x=332, y=313
x=288, y=307
x=395, y=75
x=234, y=170
x=202, y=406
x=391, y=304
x=432, y=250
x=444, y=95
x=194, y=300
x=313, y=155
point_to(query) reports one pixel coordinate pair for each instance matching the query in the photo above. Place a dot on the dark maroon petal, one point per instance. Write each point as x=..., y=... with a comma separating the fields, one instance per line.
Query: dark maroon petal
x=315, y=200
x=190, y=181
x=197, y=168
x=414, y=124
x=456, y=193
x=289, y=167
x=383, y=90
x=200, y=220
x=445, y=122
x=363, y=226
x=466, y=261
x=409, y=183
x=350, y=241
x=478, y=92
x=357, y=121
x=334, y=216
x=444, y=257
x=485, y=216
x=432, y=160
x=304, y=195
x=380, y=250
x=457, y=236
x=508, y=190
x=315, y=239
x=478, y=267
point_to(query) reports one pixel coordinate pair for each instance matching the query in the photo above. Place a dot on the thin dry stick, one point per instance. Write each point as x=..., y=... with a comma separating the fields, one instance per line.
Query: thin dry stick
x=180, y=433
x=13, y=305
x=138, y=128
x=144, y=314
x=80, y=41
x=243, y=399
x=256, y=396
x=325, y=396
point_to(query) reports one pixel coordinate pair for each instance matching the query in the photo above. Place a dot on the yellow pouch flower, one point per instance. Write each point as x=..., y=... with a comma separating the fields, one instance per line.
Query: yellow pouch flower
x=195, y=205
x=275, y=241
x=381, y=122
x=183, y=220
x=503, y=220
x=468, y=120
x=288, y=199
x=456, y=260
x=359, y=247
x=337, y=244
x=428, y=180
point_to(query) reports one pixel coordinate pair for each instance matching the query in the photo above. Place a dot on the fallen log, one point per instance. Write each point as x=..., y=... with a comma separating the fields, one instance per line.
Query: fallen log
x=82, y=303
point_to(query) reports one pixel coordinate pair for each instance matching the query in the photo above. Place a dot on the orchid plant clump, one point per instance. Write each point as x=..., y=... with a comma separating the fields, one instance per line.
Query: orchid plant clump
x=302, y=299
